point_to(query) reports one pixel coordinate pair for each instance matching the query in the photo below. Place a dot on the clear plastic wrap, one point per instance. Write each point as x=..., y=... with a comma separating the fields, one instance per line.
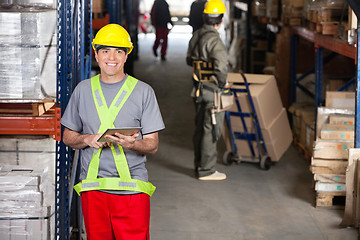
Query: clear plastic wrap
x=28, y=3
x=27, y=203
x=27, y=151
x=27, y=53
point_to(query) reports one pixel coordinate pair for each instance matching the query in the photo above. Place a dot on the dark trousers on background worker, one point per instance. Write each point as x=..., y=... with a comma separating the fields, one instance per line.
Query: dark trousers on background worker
x=161, y=37
x=205, y=141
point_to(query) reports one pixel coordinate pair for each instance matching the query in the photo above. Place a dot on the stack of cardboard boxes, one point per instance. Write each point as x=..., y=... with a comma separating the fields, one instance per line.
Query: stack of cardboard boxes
x=335, y=136
x=272, y=116
x=27, y=203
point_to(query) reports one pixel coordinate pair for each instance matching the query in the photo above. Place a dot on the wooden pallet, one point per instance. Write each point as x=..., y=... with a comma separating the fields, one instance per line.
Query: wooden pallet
x=333, y=200
x=40, y=108
x=301, y=149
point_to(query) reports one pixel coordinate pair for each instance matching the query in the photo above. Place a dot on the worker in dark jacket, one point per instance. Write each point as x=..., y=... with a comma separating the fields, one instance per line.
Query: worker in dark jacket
x=160, y=17
x=208, y=56
x=195, y=18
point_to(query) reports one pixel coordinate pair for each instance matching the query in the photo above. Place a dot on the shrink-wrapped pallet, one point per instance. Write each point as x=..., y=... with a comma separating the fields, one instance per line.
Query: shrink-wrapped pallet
x=27, y=53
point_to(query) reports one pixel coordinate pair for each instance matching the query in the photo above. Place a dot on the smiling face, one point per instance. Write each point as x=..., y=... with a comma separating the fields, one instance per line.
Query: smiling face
x=111, y=62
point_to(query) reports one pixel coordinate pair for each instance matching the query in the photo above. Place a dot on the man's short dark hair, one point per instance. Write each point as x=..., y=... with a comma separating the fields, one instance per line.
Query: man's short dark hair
x=98, y=47
x=212, y=19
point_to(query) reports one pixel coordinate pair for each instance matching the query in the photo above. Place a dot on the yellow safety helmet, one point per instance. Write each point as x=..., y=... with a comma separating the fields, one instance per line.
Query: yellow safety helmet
x=214, y=7
x=113, y=35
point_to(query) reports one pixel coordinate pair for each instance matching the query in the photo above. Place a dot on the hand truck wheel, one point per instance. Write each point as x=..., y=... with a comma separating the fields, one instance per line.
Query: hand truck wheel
x=265, y=162
x=228, y=158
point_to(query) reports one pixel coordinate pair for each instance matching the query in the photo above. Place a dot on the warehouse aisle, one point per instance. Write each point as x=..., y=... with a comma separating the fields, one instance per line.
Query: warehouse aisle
x=251, y=203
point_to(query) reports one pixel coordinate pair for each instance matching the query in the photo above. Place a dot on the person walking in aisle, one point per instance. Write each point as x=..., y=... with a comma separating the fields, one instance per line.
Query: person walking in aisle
x=114, y=188
x=208, y=56
x=160, y=18
x=195, y=17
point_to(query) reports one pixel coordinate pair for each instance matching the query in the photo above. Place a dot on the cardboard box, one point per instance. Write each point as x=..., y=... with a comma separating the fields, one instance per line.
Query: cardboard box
x=342, y=119
x=295, y=111
x=324, y=113
x=328, y=166
x=21, y=199
x=278, y=136
x=265, y=96
x=330, y=187
x=307, y=116
x=277, y=139
x=24, y=229
x=342, y=100
x=15, y=178
x=309, y=137
x=25, y=151
x=332, y=149
x=330, y=178
x=337, y=132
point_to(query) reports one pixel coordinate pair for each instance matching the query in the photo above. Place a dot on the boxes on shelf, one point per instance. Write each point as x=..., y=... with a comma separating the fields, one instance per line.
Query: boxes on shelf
x=27, y=209
x=325, y=113
x=337, y=132
x=330, y=183
x=330, y=187
x=342, y=119
x=272, y=9
x=330, y=178
x=342, y=100
x=29, y=228
x=328, y=166
x=296, y=111
x=332, y=149
x=27, y=53
x=24, y=151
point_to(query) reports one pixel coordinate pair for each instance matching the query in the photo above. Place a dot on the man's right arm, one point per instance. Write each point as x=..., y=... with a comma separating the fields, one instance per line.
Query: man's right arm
x=78, y=141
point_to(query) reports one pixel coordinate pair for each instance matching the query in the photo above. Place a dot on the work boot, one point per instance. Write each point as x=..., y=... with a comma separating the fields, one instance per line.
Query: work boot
x=216, y=176
x=155, y=53
x=163, y=58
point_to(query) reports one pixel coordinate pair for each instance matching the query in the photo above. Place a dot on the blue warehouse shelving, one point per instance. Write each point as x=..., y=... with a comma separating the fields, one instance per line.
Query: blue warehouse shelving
x=321, y=42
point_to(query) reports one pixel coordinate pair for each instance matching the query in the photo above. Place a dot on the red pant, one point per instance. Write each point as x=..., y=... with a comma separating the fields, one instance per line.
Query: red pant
x=161, y=36
x=121, y=217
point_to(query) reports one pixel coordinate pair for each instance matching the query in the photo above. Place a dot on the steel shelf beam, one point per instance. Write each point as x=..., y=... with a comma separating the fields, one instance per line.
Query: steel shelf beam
x=26, y=125
x=320, y=42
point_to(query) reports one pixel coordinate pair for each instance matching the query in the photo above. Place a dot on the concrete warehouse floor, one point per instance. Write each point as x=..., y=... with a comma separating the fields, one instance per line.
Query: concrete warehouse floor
x=251, y=203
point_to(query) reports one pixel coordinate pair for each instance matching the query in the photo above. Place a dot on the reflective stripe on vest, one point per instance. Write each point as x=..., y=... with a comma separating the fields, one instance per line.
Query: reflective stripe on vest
x=107, y=117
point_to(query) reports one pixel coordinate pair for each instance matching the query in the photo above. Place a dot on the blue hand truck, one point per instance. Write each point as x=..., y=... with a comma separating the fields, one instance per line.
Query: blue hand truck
x=233, y=155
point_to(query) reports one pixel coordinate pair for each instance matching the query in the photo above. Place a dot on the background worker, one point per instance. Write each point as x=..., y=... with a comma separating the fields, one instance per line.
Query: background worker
x=207, y=50
x=114, y=187
x=196, y=14
x=160, y=18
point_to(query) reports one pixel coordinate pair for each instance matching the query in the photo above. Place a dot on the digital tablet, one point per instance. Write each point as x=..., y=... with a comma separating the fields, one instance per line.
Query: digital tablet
x=126, y=131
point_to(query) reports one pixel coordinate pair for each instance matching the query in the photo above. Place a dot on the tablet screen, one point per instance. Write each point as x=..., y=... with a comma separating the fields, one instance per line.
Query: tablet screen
x=126, y=131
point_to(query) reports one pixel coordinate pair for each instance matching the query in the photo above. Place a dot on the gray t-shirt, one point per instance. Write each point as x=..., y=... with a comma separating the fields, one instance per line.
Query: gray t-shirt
x=140, y=110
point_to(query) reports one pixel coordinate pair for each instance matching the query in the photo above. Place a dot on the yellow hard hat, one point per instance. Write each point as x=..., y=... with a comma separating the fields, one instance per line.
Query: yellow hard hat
x=214, y=7
x=113, y=35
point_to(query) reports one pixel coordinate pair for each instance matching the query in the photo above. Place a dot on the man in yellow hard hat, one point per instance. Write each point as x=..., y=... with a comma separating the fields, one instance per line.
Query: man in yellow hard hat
x=114, y=188
x=208, y=56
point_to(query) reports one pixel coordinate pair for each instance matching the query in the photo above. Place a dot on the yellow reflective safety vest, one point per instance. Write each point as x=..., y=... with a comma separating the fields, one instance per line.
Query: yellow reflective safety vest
x=107, y=117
